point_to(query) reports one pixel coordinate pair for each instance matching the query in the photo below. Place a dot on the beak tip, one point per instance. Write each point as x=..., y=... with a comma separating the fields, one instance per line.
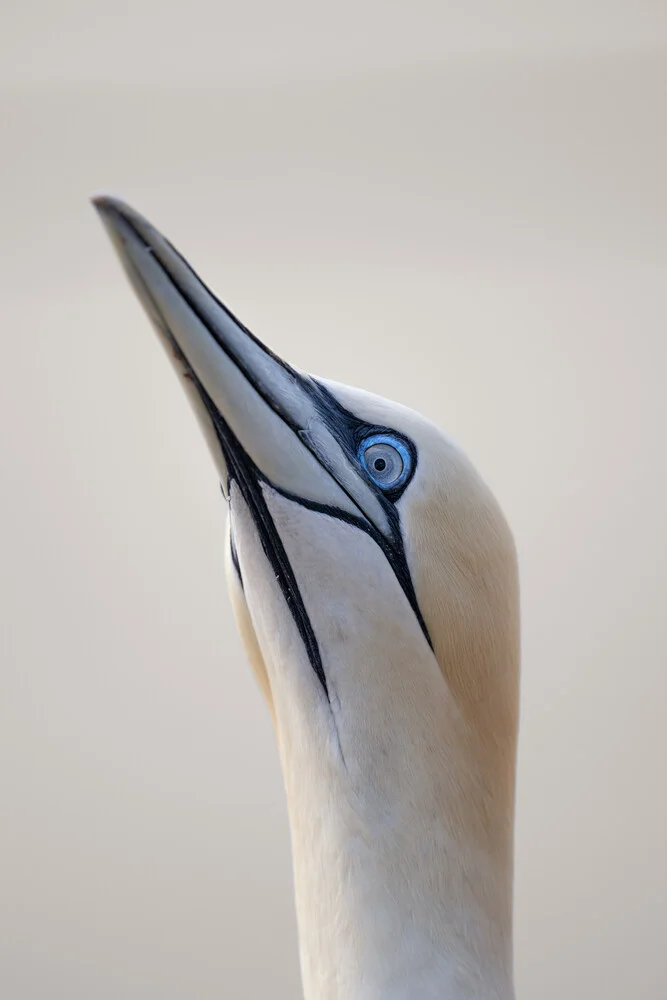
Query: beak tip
x=115, y=216
x=101, y=201
x=108, y=204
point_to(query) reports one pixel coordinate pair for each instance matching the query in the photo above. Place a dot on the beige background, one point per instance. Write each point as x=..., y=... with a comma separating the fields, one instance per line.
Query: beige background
x=459, y=209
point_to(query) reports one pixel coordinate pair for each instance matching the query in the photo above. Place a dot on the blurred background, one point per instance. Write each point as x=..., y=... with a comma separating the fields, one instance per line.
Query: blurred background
x=457, y=206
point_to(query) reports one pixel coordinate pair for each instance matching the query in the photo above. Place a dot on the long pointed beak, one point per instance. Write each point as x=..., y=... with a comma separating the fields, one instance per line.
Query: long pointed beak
x=249, y=401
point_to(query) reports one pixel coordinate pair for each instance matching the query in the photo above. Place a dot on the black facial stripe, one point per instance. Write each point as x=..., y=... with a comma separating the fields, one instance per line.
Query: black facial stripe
x=245, y=473
x=395, y=555
x=350, y=430
x=273, y=403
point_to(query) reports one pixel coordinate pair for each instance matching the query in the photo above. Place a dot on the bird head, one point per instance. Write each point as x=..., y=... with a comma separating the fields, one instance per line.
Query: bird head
x=372, y=573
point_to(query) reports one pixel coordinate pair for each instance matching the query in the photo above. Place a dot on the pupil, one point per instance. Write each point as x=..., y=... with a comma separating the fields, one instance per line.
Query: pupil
x=380, y=465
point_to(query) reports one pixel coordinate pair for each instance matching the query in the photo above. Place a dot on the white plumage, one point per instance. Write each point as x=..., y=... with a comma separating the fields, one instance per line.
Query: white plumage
x=374, y=583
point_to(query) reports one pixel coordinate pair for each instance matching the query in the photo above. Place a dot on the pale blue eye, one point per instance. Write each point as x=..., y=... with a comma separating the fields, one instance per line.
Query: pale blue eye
x=385, y=459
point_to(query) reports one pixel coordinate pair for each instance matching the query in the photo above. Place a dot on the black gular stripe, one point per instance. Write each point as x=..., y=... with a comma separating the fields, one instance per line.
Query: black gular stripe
x=349, y=428
x=243, y=471
x=245, y=474
x=234, y=554
x=350, y=431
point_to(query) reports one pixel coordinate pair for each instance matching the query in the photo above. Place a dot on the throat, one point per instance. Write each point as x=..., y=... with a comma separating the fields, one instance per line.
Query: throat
x=400, y=791
x=368, y=931
x=389, y=910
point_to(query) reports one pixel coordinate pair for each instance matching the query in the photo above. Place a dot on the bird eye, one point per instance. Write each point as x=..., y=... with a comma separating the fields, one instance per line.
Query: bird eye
x=386, y=460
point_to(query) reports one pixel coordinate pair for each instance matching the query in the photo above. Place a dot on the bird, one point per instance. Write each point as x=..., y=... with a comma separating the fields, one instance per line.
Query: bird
x=374, y=582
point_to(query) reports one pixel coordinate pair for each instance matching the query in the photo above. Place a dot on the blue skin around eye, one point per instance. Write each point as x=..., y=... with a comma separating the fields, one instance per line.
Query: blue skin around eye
x=393, y=442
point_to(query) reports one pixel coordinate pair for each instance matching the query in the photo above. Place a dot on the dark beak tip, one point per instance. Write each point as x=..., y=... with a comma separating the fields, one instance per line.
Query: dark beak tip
x=108, y=205
x=103, y=202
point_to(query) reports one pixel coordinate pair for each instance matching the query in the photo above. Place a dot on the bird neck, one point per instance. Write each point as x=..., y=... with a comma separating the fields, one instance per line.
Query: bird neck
x=399, y=778
x=368, y=933
x=396, y=909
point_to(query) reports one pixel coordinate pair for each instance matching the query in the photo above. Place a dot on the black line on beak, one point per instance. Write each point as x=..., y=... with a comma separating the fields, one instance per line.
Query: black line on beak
x=243, y=471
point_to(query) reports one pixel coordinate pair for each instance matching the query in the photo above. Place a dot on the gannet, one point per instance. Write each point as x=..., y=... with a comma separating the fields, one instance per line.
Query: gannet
x=374, y=583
